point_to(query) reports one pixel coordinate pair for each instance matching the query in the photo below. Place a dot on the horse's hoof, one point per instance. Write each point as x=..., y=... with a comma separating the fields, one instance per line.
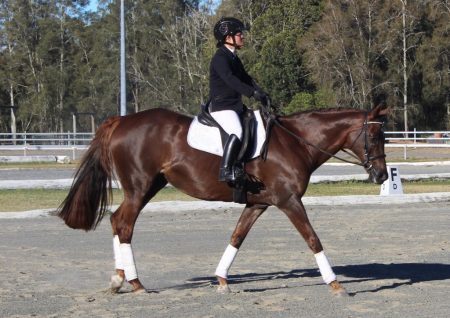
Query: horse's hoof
x=340, y=293
x=116, y=283
x=223, y=289
x=338, y=290
x=139, y=291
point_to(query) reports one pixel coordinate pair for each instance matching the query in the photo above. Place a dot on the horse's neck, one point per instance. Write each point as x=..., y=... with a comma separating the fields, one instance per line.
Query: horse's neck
x=325, y=131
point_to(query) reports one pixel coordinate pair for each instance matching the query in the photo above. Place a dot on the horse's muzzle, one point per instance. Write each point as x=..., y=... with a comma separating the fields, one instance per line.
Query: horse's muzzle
x=378, y=176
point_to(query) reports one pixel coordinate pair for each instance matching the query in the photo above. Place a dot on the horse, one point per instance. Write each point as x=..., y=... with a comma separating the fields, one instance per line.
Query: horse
x=147, y=150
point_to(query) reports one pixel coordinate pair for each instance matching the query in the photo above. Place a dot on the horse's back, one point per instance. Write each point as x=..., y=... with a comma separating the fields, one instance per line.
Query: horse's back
x=153, y=121
x=157, y=117
x=138, y=135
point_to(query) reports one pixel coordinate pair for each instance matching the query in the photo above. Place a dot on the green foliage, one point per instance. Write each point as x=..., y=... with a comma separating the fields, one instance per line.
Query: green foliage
x=279, y=68
x=305, y=100
x=277, y=63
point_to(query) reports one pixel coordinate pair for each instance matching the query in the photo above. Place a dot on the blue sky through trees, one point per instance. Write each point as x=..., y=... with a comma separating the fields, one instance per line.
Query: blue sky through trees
x=93, y=4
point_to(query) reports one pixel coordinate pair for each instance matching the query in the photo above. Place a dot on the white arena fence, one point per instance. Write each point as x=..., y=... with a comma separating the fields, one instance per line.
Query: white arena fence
x=75, y=143
x=28, y=144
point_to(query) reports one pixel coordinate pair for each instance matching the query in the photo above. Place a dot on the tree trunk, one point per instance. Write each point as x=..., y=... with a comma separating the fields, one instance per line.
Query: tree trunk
x=61, y=69
x=405, y=76
x=13, y=114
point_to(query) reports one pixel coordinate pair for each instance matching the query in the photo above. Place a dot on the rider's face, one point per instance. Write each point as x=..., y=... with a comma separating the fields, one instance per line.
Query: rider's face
x=238, y=39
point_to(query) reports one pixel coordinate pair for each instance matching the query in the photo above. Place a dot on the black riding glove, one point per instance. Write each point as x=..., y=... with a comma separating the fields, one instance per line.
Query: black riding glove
x=260, y=96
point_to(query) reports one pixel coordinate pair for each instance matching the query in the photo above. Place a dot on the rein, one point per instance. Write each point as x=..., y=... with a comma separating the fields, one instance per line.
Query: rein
x=272, y=119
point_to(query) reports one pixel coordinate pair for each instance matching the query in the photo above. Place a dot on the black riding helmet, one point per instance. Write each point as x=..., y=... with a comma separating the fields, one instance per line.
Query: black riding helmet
x=227, y=26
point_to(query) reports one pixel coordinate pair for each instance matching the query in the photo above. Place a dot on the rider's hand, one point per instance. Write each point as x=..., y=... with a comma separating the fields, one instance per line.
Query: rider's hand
x=260, y=96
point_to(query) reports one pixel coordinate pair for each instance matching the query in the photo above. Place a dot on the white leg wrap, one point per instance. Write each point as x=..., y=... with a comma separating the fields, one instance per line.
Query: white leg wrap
x=117, y=255
x=325, y=268
x=128, y=261
x=225, y=262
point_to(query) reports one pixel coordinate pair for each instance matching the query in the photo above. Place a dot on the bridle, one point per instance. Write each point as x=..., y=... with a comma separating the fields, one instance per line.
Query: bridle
x=367, y=158
x=367, y=163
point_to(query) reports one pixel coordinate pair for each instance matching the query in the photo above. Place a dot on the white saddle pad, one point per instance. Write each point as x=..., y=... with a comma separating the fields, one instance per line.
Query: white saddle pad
x=206, y=138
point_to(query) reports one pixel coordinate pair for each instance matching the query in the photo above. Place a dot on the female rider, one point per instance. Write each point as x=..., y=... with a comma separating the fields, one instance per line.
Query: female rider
x=228, y=81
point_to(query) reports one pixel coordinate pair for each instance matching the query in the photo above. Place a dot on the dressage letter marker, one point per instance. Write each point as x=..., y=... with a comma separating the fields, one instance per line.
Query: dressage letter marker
x=393, y=184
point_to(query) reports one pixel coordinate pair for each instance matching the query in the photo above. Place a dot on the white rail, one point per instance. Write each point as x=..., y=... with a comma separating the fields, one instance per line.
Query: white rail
x=44, y=139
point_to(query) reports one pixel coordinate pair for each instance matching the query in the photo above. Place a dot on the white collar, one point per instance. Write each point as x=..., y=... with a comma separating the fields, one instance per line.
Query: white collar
x=232, y=50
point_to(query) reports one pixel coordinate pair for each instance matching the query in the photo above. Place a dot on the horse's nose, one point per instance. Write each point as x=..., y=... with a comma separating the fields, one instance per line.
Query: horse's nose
x=381, y=176
x=378, y=175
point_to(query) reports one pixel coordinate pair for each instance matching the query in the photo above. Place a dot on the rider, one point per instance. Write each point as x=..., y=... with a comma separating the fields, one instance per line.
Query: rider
x=228, y=81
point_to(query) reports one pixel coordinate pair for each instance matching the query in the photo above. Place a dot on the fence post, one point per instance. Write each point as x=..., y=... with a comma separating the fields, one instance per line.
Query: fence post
x=74, y=123
x=92, y=124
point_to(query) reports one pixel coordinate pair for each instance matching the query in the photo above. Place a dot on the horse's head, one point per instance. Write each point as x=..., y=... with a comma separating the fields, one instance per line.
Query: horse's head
x=368, y=144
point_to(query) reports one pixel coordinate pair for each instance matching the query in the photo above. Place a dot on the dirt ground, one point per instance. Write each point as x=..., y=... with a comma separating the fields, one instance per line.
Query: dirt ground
x=394, y=261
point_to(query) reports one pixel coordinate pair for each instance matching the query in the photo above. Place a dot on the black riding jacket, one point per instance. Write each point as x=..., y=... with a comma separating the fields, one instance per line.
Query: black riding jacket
x=228, y=81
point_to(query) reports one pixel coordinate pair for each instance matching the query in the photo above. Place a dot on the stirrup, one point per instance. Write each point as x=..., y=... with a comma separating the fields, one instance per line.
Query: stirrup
x=231, y=174
x=227, y=174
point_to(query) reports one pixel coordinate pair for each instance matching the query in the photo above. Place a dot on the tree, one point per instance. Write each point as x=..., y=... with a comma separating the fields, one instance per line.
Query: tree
x=271, y=53
x=346, y=54
x=165, y=42
x=186, y=39
x=39, y=41
x=433, y=58
x=368, y=52
x=7, y=65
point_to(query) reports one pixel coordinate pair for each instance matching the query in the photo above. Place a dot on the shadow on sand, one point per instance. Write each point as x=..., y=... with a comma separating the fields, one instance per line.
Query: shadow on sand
x=409, y=273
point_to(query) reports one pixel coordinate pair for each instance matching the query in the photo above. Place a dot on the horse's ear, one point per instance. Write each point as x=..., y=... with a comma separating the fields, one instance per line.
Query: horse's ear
x=378, y=111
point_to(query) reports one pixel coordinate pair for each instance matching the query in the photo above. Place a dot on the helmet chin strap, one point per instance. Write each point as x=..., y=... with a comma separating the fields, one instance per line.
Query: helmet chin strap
x=234, y=43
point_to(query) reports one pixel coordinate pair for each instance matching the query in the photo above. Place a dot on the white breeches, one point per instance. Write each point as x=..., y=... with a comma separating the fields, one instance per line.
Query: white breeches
x=229, y=121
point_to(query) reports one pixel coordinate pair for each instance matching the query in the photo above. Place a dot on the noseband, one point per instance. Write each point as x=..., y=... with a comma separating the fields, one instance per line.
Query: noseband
x=367, y=164
x=367, y=158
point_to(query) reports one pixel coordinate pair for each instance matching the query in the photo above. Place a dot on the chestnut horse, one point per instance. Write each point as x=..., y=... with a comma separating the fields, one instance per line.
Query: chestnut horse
x=147, y=150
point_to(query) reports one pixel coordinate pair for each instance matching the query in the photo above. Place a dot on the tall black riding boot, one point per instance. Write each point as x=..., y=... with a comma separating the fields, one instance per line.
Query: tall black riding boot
x=230, y=153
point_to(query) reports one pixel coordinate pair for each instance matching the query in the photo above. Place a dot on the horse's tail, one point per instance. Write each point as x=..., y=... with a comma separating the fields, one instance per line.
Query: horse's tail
x=91, y=191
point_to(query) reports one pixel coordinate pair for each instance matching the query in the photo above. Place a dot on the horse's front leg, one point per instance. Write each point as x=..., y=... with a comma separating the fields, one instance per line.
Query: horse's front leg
x=296, y=212
x=122, y=222
x=248, y=217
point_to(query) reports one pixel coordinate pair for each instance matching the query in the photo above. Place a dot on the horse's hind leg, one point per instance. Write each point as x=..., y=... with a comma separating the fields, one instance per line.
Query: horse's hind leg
x=248, y=217
x=296, y=212
x=122, y=222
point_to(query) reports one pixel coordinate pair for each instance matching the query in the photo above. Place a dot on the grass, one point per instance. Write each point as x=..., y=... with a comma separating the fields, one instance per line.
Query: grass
x=24, y=200
x=32, y=199
x=365, y=188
